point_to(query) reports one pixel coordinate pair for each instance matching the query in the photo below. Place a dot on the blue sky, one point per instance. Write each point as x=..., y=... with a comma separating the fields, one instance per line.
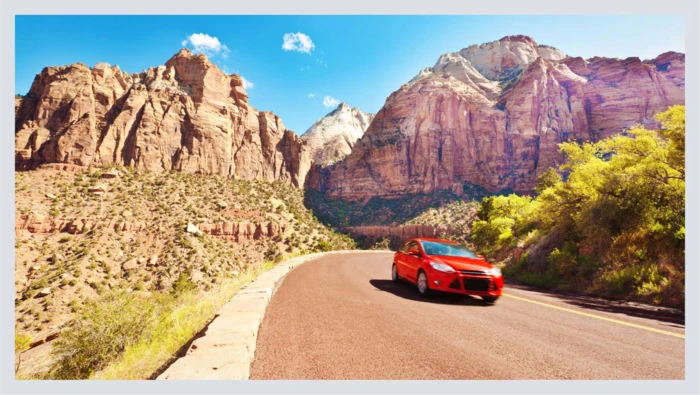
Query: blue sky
x=356, y=59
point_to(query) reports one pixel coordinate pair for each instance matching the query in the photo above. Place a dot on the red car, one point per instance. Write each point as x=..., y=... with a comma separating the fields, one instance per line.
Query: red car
x=443, y=265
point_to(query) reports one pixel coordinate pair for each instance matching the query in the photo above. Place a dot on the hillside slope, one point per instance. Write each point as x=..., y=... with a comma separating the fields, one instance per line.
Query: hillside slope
x=82, y=233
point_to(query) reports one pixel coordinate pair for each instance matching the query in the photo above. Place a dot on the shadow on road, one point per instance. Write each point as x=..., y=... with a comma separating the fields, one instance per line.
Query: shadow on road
x=599, y=304
x=408, y=291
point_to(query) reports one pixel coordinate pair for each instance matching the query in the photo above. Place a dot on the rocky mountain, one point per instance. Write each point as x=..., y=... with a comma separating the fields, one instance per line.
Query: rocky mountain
x=187, y=115
x=332, y=137
x=491, y=116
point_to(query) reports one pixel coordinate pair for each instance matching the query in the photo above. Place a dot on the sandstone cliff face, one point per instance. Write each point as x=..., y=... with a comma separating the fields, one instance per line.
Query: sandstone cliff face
x=492, y=115
x=186, y=115
x=229, y=230
x=332, y=137
x=498, y=59
x=367, y=236
x=403, y=233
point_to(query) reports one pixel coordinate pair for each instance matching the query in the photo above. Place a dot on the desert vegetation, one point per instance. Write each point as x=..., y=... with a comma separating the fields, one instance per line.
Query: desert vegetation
x=390, y=211
x=116, y=238
x=610, y=221
x=459, y=215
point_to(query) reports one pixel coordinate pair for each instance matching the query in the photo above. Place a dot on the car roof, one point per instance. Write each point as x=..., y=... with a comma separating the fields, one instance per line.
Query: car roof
x=433, y=239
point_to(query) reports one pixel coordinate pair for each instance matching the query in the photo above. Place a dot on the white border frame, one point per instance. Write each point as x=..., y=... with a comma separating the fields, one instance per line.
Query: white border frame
x=10, y=8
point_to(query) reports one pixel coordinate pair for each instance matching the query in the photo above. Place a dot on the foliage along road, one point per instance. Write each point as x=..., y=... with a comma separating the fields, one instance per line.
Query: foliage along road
x=341, y=317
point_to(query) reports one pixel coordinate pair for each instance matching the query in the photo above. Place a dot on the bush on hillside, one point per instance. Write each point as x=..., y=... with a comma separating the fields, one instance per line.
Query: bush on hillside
x=618, y=216
x=102, y=331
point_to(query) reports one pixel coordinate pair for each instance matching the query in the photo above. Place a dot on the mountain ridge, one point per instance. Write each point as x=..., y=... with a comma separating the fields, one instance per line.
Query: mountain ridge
x=451, y=126
x=186, y=115
x=332, y=137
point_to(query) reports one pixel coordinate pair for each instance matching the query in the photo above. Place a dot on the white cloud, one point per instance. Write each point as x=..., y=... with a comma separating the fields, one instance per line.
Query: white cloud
x=247, y=84
x=206, y=44
x=311, y=95
x=299, y=42
x=329, y=102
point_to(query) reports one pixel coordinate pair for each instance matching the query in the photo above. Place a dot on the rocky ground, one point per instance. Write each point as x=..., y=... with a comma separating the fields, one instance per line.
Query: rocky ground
x=81, y=232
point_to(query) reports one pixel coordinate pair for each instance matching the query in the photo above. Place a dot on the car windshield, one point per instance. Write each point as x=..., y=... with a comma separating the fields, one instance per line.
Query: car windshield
x=446, y=249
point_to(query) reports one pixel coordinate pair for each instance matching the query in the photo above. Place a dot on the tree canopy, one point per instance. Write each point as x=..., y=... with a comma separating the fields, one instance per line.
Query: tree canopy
x=614, y=225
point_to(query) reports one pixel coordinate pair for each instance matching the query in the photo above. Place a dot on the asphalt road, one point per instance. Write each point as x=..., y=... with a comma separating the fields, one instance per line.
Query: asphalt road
x=341, y=317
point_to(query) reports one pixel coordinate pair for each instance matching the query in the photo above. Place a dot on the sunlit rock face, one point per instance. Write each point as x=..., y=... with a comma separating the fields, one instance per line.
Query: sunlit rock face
x=332, y=137
x=186, y=115
x=493, y=115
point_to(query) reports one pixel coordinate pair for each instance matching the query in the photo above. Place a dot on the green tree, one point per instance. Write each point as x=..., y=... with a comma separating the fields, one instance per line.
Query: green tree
x=501, y=219
x=615, y=226
x=548, y=179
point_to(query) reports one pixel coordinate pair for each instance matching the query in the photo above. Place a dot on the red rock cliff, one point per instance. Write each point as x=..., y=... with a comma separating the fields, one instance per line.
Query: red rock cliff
x=186, y=115
x=492, y=115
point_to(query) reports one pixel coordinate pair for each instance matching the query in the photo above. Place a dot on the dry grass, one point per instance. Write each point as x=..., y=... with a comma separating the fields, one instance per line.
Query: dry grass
x=192, y=312
x=85, y=266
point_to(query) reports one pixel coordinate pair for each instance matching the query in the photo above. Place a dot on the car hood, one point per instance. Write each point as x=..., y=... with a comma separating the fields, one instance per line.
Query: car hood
x=460, y=263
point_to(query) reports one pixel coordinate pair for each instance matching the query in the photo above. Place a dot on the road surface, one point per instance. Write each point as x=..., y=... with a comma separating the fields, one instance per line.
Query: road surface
x=341, y=317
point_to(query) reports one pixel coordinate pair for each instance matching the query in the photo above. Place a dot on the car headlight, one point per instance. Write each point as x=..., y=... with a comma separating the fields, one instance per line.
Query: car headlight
x=442, y=267
x=495, y=271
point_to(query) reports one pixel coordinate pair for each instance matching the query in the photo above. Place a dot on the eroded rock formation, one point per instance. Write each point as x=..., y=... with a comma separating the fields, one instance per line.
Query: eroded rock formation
x=332, y=137
x=492, y=115
x=239, y=231
x=404, y=232
x=36, y=223
x=186, y=115
x=230, y=230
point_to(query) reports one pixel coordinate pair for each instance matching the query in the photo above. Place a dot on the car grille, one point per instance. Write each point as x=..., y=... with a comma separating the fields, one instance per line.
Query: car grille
x=476, y=284
x=473, y=272
x=455, y=284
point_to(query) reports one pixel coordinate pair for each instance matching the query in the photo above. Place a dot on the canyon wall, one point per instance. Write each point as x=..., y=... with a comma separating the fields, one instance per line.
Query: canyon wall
x=186, y=115
x=493, y=115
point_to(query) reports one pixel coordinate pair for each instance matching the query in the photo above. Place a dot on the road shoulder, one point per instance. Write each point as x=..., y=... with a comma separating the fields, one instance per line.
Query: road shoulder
x=227, y=348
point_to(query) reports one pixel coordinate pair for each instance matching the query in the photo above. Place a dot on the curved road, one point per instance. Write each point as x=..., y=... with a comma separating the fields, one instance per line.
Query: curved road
x=341, y=317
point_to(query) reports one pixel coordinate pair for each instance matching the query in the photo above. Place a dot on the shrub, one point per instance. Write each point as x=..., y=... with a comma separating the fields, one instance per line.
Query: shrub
x=620, y=212
x=383, y=244
x=324, y=246
x=182, y=284
x=22, y=342
x=100, y=333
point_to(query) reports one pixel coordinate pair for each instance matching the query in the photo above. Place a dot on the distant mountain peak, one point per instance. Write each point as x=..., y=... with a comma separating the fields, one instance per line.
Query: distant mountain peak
x=494, y=61
x=332, y=137
x=521, y=38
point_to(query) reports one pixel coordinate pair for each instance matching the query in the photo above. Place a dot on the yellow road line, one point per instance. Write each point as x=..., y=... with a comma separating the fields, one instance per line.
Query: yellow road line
x=598, y=317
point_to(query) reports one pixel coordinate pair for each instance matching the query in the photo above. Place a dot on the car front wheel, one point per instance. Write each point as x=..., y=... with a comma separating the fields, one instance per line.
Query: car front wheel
x=490, y=299
x=394, y=273
x=422, y=284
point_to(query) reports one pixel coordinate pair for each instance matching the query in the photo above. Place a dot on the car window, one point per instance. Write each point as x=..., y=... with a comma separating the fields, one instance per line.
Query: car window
x=412, y=245
x=404, y=248
x=446, y=249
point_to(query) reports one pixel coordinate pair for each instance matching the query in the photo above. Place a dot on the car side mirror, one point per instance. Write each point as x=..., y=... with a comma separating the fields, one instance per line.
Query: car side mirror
x=480, y=257
x=414, y=252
